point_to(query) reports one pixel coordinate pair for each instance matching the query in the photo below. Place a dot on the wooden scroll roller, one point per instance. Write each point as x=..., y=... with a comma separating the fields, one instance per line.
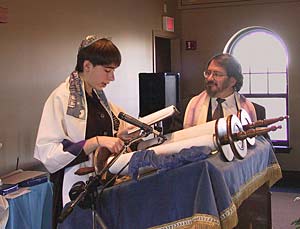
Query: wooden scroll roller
x=252, y=133
x=102, y=165
x=249, y=124
x=101, y=156
x=238, y=145
x=265, y=122
x=100, y=159
x=236, y=136
x=246, y=120
x=232, y=139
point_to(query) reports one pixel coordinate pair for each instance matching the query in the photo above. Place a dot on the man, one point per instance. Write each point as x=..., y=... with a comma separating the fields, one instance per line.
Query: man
x=223, y=79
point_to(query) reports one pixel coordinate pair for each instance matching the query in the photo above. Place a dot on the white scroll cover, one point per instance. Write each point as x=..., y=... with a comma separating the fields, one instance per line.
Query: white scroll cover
x=166, y=148
x=195, y=131
x=211, y=134
x=200, y=135
x=156, y=116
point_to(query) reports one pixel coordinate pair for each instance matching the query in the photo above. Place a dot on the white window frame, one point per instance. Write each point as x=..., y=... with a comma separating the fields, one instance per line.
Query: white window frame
x=280, y=145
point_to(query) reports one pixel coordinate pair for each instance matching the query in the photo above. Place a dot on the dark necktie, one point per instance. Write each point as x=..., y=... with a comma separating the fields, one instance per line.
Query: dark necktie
x=218, y=113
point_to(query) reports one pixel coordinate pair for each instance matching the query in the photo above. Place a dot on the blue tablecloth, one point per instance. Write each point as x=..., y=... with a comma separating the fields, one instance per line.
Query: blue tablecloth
x=32, y=210
x=203, y=194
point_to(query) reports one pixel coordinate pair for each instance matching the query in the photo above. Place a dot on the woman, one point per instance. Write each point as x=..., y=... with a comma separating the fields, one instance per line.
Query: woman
x=77, y=118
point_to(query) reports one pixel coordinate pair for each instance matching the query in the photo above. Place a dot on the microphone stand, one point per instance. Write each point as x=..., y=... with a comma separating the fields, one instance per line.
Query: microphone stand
x=91, y=190
x=92, y=184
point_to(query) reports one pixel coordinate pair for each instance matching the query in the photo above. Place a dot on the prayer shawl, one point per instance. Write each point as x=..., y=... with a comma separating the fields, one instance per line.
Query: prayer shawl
x=62, y=130
x=196, y=111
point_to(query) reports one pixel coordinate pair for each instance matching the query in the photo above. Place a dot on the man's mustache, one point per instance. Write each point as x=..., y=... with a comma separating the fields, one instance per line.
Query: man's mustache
x=211, y=82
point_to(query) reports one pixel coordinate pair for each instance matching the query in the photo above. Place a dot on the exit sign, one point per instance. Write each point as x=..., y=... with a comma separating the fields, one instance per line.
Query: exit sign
x=3, y=15
x=168, y=24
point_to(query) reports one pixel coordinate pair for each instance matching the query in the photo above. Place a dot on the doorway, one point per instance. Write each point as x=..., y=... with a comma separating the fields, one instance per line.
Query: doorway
x=166, y=52
x=162, y=54
x=167, y=67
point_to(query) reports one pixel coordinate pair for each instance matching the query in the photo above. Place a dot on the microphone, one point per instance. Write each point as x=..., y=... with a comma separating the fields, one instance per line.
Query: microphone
x=145, y=127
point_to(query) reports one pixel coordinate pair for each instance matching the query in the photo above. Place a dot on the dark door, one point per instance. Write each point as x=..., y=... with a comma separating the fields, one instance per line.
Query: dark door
x=162, y=54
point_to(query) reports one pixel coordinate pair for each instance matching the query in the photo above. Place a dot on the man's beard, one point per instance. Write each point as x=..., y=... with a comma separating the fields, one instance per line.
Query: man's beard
x=208, y=88
x=215, y=89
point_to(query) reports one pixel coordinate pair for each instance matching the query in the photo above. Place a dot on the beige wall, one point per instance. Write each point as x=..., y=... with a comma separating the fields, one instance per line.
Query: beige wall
x=38, y=50
x=213, y=27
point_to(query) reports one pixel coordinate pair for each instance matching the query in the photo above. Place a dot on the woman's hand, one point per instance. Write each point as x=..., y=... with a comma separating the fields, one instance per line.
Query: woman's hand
x=113, y=144
x=126, y=134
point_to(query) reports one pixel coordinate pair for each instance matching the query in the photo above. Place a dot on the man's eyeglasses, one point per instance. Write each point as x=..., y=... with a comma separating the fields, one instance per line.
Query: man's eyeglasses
x=214, y=74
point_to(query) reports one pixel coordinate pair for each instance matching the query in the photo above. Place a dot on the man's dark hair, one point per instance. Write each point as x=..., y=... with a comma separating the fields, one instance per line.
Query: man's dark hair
x=101, y=52
x=232, y=67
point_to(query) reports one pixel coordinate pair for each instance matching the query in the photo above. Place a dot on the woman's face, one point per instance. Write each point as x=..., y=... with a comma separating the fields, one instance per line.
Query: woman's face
x=98, y=76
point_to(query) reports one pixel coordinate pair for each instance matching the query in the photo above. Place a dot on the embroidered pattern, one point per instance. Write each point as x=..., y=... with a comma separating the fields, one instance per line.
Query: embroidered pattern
x=116, y=122
x=76, y=100
x=228, y=212
x=197, y=218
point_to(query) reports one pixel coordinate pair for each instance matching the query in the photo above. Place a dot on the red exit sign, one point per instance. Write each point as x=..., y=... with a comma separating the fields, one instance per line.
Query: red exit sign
x=168, y=24
x=3, y=15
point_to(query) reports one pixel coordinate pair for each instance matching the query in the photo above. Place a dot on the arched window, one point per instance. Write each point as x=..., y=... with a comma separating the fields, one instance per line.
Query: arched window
x=264, y=59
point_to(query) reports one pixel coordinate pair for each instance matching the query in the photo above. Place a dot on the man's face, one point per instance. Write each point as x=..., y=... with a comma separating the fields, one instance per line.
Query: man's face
x=217, y=83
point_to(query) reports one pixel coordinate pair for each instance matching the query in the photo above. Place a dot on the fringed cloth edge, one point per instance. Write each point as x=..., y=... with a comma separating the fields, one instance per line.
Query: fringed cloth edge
x=270, y=175
x=228, y=217
x=197, y=221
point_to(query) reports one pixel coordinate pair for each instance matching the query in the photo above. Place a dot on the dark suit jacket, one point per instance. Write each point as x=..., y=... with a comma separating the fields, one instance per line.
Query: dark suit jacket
x=261, y=115
x=260, y=111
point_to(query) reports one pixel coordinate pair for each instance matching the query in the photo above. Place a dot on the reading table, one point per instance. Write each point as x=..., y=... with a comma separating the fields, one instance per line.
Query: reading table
x=203, y=194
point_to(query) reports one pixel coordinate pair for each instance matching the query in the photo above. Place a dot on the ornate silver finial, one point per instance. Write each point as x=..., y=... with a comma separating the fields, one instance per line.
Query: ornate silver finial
x=88, y=41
